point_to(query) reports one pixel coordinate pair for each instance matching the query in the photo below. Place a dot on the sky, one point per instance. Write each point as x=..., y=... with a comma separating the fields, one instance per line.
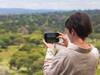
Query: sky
x=51, y=4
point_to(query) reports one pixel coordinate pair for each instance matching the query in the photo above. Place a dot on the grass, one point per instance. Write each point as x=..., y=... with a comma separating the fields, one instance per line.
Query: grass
x=98, y=70
x=6, y=55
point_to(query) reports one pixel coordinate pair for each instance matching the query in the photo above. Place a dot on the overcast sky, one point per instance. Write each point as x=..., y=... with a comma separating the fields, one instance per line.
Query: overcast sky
x=51, y=4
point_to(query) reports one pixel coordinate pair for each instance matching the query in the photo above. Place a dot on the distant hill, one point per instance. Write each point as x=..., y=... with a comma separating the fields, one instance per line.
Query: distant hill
x=23, y=11
x=45, y=20
x=14, y=11
x=29, y=11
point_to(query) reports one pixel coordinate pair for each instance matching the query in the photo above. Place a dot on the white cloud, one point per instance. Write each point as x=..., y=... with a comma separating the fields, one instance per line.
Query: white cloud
x=61, y=4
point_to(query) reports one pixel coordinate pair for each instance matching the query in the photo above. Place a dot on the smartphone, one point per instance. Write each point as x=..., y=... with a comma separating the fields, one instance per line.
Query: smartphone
x=51, y=37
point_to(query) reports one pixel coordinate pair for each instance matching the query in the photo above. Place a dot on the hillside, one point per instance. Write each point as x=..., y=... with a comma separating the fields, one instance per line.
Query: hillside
x=44, y=20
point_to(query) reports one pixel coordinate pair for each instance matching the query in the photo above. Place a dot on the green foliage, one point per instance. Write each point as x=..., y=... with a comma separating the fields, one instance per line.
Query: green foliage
x=30, y=55
x=40, y=72
x=35, y=38
x=32, y=60
x=98, y=70
x=47, y=21
x=25, y=47
x=95, y=36
x=1, y=59
x=4, y=41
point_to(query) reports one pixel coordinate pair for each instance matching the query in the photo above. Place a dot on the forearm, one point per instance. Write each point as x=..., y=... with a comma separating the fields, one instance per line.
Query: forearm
x=50, y=55
x=48, y=59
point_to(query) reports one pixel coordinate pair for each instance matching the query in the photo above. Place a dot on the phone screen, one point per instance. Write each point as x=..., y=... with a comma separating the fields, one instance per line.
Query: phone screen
x=51, y=37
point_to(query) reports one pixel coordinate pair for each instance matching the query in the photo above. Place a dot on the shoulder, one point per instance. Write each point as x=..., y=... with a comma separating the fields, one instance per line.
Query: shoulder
x=65, y=54
x=68, y=51
x=95, y=52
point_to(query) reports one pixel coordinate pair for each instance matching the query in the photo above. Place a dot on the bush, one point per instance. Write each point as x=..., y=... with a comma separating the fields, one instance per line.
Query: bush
x=25, y=47
x=32, y=60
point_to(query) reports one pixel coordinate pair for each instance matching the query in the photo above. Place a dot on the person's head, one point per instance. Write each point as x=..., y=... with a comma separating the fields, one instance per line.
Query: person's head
x=79, y=24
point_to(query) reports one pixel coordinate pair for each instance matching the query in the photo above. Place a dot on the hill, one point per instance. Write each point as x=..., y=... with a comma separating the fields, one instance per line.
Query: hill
x=12, y=19
x=23, y=11
x=15, y=11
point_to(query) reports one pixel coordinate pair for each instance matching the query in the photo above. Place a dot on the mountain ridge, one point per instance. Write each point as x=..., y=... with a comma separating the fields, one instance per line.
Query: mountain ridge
x=29, y=11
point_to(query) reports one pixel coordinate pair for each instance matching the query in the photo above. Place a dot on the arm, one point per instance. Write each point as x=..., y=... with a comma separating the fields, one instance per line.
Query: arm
x=52, y=50
x=58, y=65
x=50, y=55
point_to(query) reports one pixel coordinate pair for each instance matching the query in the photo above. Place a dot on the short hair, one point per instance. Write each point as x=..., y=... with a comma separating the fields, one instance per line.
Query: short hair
x=80, y=23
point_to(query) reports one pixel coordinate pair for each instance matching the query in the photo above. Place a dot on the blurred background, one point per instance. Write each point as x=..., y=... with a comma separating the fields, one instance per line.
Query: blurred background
x=23, y=23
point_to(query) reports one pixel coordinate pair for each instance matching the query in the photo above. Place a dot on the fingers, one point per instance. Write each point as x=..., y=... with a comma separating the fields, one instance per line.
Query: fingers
x=61, y=34
x=63, y=37
x=45, y=43
x=48, y=45
x=65, y=42
x=61, y=44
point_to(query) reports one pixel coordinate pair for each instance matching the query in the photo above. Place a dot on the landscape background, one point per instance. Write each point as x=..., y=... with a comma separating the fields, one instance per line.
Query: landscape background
x=21, y=32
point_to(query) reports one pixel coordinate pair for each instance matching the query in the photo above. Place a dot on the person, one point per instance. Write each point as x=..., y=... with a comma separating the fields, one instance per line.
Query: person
x=77, y=57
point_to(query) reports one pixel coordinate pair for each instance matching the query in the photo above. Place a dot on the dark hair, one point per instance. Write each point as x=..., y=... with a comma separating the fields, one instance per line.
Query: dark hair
x=80, y=23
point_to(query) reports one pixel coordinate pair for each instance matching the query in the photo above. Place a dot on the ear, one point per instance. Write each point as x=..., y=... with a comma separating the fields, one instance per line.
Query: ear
x=73, y=33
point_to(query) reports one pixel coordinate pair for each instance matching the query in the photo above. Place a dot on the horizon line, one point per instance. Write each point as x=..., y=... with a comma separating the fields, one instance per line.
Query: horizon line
x=49, y=9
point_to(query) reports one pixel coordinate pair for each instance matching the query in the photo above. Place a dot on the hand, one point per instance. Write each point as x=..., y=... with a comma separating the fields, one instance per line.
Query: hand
x=48, y=45
x=65, y=41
